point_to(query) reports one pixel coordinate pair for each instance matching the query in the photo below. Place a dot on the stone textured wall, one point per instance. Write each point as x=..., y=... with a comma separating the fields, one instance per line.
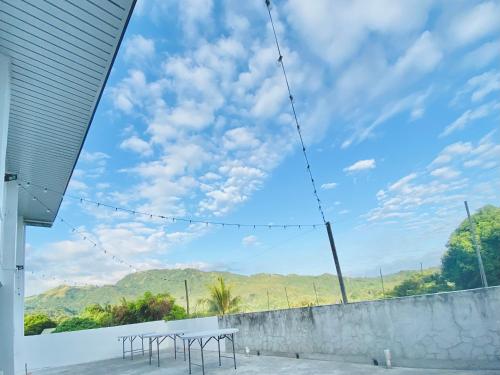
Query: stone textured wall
x=458, y=330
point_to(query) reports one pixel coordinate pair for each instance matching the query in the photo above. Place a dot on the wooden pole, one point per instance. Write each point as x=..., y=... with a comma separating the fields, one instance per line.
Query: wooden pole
x=316, y=293
x=477, y=247
x=382, y=280
x=337, y=264
x=187, y=296
x=287, y=301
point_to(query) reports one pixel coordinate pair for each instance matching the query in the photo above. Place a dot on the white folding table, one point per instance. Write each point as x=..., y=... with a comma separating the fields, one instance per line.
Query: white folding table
x=131, y=338
x=159, y=338
x=203, y=338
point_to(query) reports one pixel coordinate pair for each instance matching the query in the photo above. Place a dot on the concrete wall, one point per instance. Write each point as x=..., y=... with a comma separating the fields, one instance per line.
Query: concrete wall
x=68, y=348
x=446, y=330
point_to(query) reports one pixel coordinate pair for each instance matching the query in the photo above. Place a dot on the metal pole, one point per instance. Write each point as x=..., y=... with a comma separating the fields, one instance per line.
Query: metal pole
x=477, y=246
x=187, y=297
x=421, y=268
x=287, y=301
x=382, y=279
x=337, y=264
x=316, y=293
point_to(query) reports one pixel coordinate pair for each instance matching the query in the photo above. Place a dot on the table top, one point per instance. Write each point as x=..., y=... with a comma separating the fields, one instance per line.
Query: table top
x=135, y=335
x=212, y=333
x=167, y=333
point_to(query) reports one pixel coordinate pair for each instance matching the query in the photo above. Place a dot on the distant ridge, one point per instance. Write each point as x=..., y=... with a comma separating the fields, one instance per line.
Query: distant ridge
x=252, y=289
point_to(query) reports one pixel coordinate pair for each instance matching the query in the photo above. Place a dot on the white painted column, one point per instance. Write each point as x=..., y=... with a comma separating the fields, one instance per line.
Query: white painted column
x=19, y=352
x=8, y=295
x=8, y=231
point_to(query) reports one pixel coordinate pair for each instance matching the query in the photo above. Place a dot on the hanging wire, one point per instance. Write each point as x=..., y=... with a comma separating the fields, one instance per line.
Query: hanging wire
x=172, y=219
x=297, y=125
x=51, y=277
x=82, y=234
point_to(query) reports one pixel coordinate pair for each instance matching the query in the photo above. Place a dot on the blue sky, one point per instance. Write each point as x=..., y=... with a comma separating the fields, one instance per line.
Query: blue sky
x=399, y=106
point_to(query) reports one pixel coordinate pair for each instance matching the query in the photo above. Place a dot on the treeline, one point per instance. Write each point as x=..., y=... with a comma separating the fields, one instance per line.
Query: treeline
x=148, y=308
x=459, y=264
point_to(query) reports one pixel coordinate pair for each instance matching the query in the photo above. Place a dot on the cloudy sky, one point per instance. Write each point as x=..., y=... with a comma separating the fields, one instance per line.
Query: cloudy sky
x=399, y=106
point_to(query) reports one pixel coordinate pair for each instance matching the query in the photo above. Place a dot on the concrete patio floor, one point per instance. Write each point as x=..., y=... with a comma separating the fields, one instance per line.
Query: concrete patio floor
x=262, y=365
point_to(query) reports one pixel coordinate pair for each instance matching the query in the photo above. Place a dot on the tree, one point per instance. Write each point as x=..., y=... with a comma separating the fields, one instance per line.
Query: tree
x=221, y=301
x=34, y=324
x=422, y=284
x=76, y=324
x=459, y=263
x=100, y=314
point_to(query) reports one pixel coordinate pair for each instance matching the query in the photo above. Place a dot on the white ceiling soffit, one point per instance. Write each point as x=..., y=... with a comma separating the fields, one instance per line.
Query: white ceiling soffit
x=61, y=54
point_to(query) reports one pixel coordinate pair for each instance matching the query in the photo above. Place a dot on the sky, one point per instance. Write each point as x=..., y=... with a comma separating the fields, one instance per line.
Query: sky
x=399, y=108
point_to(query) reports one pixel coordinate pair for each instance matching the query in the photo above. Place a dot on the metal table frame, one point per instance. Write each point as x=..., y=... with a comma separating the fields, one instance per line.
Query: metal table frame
x=159, y=338
x=216, y=335
x=131, y=339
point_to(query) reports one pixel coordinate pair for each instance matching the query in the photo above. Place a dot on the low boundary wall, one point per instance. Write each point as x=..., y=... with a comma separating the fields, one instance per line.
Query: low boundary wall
x=68, y=348
x=456, y=330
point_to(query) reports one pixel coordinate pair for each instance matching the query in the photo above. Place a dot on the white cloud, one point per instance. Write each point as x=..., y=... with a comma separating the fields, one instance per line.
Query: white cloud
x=139, y=49
x=470, y=115
x=361, y=165
x=138, y=145
x=445, y=172
x=402, y=183
x=451, y=151
x=482, y=56
x=337, y=30
x=250, y=241
x=94, y=157
x=474, y=23
x=329, y=185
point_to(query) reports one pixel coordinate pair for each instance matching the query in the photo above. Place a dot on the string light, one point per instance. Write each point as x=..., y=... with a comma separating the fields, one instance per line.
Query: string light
x=75, y=230
x=297, y=125
x=173, y=219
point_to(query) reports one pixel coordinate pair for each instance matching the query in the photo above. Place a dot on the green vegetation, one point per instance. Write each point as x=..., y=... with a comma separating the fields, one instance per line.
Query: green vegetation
x=76, y=324
x=252, y=290
x=147, y=308
x=459, y=266
x=221, y=300
x=34, y=324
x=128, y=301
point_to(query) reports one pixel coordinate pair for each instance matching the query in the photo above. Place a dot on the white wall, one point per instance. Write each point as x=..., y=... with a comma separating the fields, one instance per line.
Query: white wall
x=68, y=348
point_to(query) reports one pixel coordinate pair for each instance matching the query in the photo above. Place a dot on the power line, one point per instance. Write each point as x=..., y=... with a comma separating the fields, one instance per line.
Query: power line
x=297, y=125
x=172, y=219
x=83, y=235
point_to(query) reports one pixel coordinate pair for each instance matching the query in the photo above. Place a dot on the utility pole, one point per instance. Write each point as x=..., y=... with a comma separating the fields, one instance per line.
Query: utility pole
x=477, y=246
x=287, y=301
x=382, y=279
x=337, y=264
x=187, y=296
x=316, y=293
x=421, y=268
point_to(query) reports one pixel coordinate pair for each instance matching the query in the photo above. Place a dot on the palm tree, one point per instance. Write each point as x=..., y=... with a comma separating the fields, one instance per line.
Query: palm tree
x=221, y=301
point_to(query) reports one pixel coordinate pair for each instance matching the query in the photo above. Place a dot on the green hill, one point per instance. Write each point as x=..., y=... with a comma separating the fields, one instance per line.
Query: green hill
x=66, y=300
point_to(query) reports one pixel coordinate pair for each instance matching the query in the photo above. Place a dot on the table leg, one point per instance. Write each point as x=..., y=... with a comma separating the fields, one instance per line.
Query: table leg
x=150, y=346
x=131, y=348
x=123, y=347
x=202, y=360
x=142, y=344
x=234, y=355
x=218, y=346
x=184, y=344
x=158, y=350
x=175, y=347
x=189, y=355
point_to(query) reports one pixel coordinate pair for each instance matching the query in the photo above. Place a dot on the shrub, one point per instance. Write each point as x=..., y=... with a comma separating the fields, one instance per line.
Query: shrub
x=34, y=324
x=76, y=324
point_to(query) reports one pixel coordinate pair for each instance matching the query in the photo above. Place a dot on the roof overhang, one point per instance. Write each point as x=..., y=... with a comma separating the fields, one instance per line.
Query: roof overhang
x=61, y=55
